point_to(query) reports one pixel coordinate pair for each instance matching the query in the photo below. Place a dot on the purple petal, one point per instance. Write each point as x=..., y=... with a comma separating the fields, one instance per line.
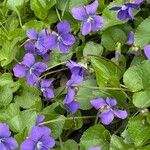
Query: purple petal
x=52, y=40
x=4, y=130
x=42, y=34
x=11, y=143
x=130, y=13
x=63, y=27
x=107, y=117
x=28, y=60
x=94, y=148
x=115, y=8
x=40, y=119
x=123, y=14
x=64, y=48
x=97, y=23
x=111, y=102
x=68, y=39
x=130, y=39
x=2, y=146
x=139, y=1
x=133, y=5
x=48, y=93
x=70, y=95
x=31, y=33
x=91, y=8
x=48, y=141
x=71, y=64
x=79, y=13
x=31, y=79
x=37, y=133
x=46, y=83
x=75, y=79
x=29, y=47
x=73, y=107
x=147, y=51
x=86, y=28
x=39, y=68
x=20, y=70
x=98, y=103
x=28, y=144
x=46, y=57
x=122, y=114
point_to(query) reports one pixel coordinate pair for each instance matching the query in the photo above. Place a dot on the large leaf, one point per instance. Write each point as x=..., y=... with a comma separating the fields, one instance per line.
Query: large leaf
x=142, y=34
x=96, y=135
x=117, y=143
x=77, y=3
x=137, y=79
x=107, y=73
x=112, y=36
x=139, y=130
x=92, y=48
x=41, y=7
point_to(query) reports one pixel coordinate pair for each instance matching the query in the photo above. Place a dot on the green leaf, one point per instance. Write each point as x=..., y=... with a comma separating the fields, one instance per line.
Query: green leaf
x=77, y=3
x=74, y=124
x=110, y=17
x=107, y=73
x=95, y=136
x=139, y=130
x=111, y=37
x=92, y=48
x=137, y=79
x=142, y=33
x=117, y=143
x=69, y=145
x=28, y=97
x=41, y=8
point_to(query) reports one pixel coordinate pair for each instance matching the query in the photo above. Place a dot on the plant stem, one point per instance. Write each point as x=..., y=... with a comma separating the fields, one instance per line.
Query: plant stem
x=58, y=15
x=69, y=118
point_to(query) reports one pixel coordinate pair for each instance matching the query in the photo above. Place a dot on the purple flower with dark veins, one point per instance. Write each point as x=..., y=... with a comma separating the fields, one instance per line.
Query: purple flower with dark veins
x=94, y=148
x=39, y=139
x=29, y=69
x=41, y=40
x=147, y=51
x=46, y=88
x=126, y=11
x=107, y=110
x=78, y=72
x=39, y=119
x=130, y=39
x=30, y=48
x=72, y=107
x=6, y=141
x=87, y=14
x=64, y=39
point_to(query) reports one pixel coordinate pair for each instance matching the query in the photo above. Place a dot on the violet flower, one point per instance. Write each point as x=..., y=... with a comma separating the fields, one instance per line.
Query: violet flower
x=29, y=69
x=126, y=11
x=46, y=88
x=73, y=107
x=117, y=55
x=64, y=39
x=108, y=112
x=94, y=148
x=147, y=51
x=41, y=40
x=30, y=48
x=39, y=139
x=6, y=141
x=39, y=119
x=87, y=14
x=130, y=39
x=78, y=72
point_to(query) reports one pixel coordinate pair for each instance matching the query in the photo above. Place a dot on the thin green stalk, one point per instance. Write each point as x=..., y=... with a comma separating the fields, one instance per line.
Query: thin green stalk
x=69, y=118
x=97, y=117
x=58, y=15
x=103, y=88
x=64, y=8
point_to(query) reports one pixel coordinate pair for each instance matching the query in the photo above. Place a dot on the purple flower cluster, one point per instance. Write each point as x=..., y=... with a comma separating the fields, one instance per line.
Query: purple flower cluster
x=107, y=111
x=87, y=14
x=126, y=11
x=39, y=138
x=77, y=75
x=94, y=148
x=6, y=141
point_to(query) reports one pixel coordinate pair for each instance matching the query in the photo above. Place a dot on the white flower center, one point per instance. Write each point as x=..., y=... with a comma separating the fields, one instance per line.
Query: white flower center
x=39, y=145
x=89, y=19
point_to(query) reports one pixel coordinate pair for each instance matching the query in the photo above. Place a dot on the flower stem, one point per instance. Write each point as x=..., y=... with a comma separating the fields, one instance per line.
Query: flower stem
x=69, y=118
